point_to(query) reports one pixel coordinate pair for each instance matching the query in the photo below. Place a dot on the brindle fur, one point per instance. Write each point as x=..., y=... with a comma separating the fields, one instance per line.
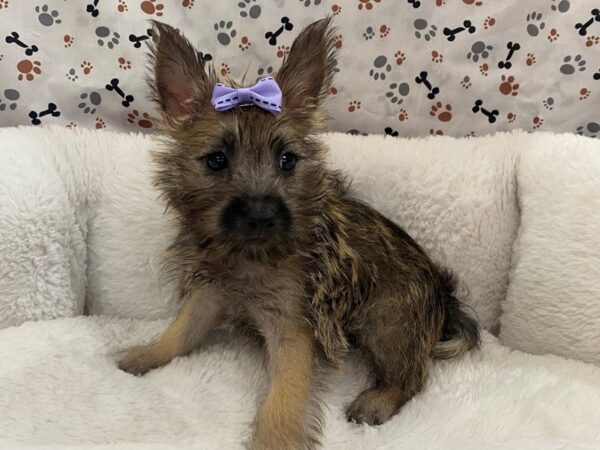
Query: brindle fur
x=337, y=275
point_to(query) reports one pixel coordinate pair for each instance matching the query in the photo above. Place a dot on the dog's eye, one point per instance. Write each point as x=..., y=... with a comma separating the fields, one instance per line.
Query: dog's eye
x=287, y=161
x=216, y=161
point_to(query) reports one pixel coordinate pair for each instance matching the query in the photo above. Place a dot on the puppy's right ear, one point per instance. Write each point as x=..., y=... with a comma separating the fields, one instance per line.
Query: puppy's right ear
x=181, y=86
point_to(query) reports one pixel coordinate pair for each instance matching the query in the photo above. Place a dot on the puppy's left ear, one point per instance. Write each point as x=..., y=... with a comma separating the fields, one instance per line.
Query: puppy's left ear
x=306, y=74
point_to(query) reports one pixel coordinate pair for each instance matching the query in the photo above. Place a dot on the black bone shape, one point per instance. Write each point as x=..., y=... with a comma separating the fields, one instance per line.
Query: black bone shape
x=512, y=48
x=415, y=3
x=204, y=57
x=582, y=27
x=597, y=76
x=422, y=79
x=13, y=38
x=92, y=8
x=137, y=40
x=114, y=86
x=451, y=33
x=491, y=115
x=273, y=35
x=389, y=131
x=35, y=116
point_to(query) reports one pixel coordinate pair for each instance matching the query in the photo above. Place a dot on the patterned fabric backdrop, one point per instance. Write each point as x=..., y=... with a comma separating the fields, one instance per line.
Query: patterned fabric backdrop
x=408, y=67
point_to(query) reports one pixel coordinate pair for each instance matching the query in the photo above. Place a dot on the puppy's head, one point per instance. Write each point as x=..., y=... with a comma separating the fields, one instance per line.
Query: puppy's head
x=247, y=182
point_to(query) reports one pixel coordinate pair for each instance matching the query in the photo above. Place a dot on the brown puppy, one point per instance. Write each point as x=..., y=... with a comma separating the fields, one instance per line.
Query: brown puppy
x=272, y=244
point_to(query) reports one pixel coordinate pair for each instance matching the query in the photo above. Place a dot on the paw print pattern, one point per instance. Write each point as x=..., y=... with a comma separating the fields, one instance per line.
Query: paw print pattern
x=592, y=40
x=560, y=5
x=537, y=122
x=100, y=124
x=397, y=91
x=68, y=40
x=307, y=3
x=548, y=103
x=423, y=30
x=28, y=69
x=369, y=33
x=337, y=41
x=584, y=93
x=89, y=102
x=511, y=117
x=508, y=86
x=282, y=50
x=106, y=37
x=244, y=44
x=384, y=31
x=400, y=58
x=367, y=5
x=225, y=32
x=142, y=121
x=441, y=112
x=437, y=57
x=403, y=116
x=189, y=4
x=249, y=8
x=10, y=100
x=46, y=16
x=336, y=9
x=124, y=63
x=489, y=22
x=122, y=6
x=4, y=4
x=591, y=129
x=71, y=74
x=530, y=59
x=224, y=70
x=380, y=67
x=479, y=50
x=553, y=35
x=571, y=64
x=262, y=71
x=466, y=82
x=86, y=67
x=534, y=23
x=354, y=105
x=152, y=8
x=483, y=69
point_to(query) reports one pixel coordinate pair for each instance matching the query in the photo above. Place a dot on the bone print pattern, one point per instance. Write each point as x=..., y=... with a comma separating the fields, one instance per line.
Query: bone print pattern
x=407, y=68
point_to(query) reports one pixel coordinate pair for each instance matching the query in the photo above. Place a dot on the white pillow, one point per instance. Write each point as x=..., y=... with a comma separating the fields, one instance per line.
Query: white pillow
x=42, y=242
x=553, y=302
x=455, y=197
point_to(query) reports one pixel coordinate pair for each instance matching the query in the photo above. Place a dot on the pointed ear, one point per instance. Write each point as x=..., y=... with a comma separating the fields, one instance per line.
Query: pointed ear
x=181, y=85
x=307, y=72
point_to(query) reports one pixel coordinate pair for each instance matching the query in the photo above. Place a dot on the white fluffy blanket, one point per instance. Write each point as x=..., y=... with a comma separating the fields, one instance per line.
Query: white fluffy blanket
x=59, y=386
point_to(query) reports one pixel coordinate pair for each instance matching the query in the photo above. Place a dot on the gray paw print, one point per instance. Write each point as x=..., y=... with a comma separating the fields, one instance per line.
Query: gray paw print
x=571, y=64
x=479, y=50
x=398, y=90
x=71, y=75
x=264, y=71
x=466, y=82
x=224, y=32
x=380, y=67
x=534, y=23
x=307, y=2
x=94, y=98
x=592, y=129
x=47, y=18
x=562, y=6
x=104, y=34
x=369, y=33
x=548, y=103
x=423, y=30
x=12, y=95
x=249, y=11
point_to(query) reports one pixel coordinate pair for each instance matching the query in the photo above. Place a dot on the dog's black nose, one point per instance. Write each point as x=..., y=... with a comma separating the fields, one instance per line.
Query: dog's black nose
x=257, y=218
x=260, y=217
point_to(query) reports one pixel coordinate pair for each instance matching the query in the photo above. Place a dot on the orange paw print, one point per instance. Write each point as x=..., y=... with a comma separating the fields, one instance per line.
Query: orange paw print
x=537, y=122
x=3, y=4
x=189, y=4
x=337, y=41
x=440, y=2
x=29, y=69
x=403, y=116
x=437, y=57
x=511, y=117
x=530, y=60
x=508, y=86
x=71, y=125
x=152, y=8
x=367, y=4
x=443, y=113
x=433, y=132
x=282, y=50
x=244, y=44
x=489, y=22
x=584, y=93
x=384, y=31
x=553, y=35
x=122, y=6
x=224, y=70
x=100, y=124
x=336, y=9
x=333, y=90
x=484, y=69
x=354, y=106
x=124, y=64
x=87, y=67
x=473, y=2
x=591, y=40
x=68, y=40
x=400, y=58
x=142, y=121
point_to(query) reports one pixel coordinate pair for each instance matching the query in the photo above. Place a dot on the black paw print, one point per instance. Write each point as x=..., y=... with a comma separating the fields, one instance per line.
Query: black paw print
x=424, y=30
x=224, y=32
x=534, y=23
x=397, y=91
x=47, y=17
x=94, y=98
x=264, y=71
x=11, y=96
x=369, y=33
x=249, y=11
x=479, y=50
x=572, y=64
x=308, y=2
x=380, y=67
x=466, y=82
x=592, y=129
x=104, y=35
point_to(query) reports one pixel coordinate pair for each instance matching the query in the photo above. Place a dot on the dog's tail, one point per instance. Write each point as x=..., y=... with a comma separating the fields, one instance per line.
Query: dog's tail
x=460, y=332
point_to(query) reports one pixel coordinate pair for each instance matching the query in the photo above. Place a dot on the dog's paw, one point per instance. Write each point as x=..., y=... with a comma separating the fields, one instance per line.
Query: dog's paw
x=373, y=407
x=138, y=361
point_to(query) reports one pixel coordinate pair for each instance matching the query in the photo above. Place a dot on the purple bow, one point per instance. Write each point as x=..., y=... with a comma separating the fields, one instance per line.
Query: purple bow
x=265, y=94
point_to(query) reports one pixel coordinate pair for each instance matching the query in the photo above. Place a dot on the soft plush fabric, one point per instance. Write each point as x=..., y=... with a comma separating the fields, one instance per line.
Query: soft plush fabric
x=385, y=46
x=42, y=242
x=60, y=386
x=461, y=208
x=553, y=302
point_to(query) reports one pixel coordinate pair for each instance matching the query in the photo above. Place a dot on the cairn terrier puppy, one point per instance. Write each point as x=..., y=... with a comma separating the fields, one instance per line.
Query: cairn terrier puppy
x=272, y=244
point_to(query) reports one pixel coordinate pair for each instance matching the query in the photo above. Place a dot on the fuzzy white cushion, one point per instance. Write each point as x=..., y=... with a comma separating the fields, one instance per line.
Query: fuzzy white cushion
x=553, y=302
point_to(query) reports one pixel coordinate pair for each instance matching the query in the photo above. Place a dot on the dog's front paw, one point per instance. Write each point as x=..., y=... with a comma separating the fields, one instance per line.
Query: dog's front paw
x=139, y=360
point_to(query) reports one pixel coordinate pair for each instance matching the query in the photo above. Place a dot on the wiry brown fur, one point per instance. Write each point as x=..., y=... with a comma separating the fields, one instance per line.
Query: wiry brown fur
x=336, y=275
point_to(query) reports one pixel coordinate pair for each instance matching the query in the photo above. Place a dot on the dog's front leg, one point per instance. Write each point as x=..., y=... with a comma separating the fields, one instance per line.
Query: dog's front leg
x=198, y=315
x=281, y=421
